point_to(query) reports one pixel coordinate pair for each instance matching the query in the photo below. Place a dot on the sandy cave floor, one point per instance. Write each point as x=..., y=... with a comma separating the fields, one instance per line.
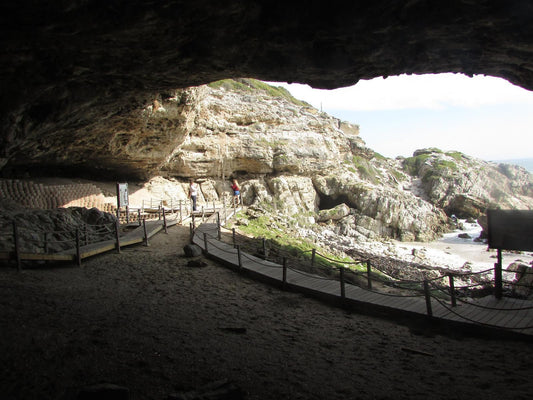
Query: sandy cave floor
x=145, y=320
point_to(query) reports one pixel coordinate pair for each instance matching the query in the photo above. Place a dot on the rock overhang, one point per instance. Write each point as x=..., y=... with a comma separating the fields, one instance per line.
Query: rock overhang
x=68, y=65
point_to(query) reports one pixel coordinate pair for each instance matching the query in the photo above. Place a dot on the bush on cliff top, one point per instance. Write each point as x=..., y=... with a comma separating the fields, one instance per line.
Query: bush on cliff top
x=250, y=85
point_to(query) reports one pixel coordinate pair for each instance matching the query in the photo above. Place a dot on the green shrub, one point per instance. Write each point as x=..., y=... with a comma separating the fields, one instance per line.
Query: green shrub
x=296, y=246
x=365, y=169
x=412, y=164
x=457, y=155
x=250, y=85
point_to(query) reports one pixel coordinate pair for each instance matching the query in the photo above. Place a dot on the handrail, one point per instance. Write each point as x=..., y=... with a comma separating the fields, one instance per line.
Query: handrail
x=431, y=287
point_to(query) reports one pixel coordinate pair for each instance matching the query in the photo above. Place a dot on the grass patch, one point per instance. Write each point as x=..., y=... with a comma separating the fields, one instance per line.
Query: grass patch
x=366, y=169
x=297, y=247
x=412, y=164
x=456, y=155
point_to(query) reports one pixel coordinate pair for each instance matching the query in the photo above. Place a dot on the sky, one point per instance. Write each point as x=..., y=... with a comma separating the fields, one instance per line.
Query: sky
x=484, y=117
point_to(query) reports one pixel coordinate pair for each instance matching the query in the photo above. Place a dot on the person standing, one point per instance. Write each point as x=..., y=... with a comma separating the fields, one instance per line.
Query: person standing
x=193, y=193
x=236, y=191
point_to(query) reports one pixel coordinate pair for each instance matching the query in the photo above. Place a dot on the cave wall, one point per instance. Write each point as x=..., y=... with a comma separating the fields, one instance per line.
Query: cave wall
x=69, y=65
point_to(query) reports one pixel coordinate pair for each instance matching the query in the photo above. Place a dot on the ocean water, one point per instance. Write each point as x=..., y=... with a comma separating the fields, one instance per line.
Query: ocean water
x=527, y=163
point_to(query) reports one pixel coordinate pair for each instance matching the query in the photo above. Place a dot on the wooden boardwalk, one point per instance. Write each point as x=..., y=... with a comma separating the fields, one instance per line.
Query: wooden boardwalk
x=139, y=233
x=135, y=236
x=507, y=316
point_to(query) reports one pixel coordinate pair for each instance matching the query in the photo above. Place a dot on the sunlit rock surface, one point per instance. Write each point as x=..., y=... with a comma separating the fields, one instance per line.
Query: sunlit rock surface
x=290, y=159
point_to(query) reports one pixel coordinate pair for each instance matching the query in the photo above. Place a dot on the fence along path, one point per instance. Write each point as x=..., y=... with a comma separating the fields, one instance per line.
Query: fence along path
x=78, y=245
x=80, y=248
x=505, y=315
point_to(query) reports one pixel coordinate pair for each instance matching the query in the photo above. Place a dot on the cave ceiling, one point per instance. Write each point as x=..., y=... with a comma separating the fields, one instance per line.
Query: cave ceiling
x=70, y=63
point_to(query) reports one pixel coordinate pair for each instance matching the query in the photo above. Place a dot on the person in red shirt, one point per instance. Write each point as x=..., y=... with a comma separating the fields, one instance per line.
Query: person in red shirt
x=236, y=192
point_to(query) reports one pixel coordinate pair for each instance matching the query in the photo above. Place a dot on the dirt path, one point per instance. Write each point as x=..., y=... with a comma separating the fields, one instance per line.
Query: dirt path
x=145, y=320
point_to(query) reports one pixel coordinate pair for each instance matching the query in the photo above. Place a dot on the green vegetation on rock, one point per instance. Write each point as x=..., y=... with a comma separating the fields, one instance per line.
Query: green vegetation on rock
x=264, y=227
x=366, y=169
x=412, y=164
x=250, y=85
x=457, y=155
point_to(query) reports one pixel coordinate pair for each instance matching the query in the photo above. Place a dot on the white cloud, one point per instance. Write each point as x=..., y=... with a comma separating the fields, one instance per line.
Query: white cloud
x=483, y=116
x=414, y=92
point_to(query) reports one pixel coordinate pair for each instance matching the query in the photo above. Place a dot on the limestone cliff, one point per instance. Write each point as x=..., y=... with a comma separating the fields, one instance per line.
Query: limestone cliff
x=466, y=186
x=289, y=157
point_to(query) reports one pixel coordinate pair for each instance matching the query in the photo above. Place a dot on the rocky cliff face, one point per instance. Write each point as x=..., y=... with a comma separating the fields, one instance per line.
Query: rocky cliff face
x=466, y=186
x=290, y=158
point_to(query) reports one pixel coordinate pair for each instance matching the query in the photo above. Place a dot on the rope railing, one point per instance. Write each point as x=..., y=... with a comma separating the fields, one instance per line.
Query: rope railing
x=232, y=251
x=407, y=284
x=431, y=284
x=298, y=271
x=494, y=308
x=48, y=242
x=450, y=309
x=258, y=262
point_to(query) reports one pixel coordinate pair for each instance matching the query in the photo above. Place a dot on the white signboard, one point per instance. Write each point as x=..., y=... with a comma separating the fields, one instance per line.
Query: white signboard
x=122, y=194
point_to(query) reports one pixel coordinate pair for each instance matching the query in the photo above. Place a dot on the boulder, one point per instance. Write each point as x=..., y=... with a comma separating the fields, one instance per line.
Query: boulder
x=523, y=282
x=192, y=250
x=334, y=214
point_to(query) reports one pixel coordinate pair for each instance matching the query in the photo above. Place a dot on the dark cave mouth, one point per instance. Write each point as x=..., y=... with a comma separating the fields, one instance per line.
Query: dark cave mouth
x=328, y=202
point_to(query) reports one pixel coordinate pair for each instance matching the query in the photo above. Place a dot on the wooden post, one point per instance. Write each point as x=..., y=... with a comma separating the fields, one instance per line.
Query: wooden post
x=343, y=291
x=224, y=210
x=17, y=245
x=118, y=200
x=428, y=298
x=145, y=232
x=369, y=274
x=233, y=237
x=313, y=254
x=239, y=257
x=78, y=249
x=219, y=233
x=127, y=214
x=85, y=234
x=203, y=214
x=205, y=243
x=452, y=290
x=165, y=221
x=159, y=212
x=498, y=276
x=139, y=216
x=284, y=281
x=117, y=236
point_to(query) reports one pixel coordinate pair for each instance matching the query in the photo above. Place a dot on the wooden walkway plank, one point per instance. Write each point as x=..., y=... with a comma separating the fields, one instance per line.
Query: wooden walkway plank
x=441, y=308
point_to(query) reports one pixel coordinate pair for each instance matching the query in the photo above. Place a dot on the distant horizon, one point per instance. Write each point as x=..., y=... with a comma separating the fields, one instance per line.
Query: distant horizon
x=527, y=163
x=484, y=117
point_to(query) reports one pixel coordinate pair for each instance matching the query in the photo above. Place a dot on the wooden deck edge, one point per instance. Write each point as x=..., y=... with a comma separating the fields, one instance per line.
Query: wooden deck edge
x=45, y=257
x=98, y=250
